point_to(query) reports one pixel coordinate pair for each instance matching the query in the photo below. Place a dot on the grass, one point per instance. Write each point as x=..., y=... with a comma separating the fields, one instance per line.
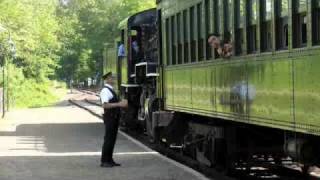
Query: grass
x=34, y=95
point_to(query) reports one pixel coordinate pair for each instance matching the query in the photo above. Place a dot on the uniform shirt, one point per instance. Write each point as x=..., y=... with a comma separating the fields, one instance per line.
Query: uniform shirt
x=105, y=94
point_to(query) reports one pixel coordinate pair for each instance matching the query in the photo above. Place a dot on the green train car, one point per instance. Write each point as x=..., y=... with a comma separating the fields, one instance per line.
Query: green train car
x=264, y=97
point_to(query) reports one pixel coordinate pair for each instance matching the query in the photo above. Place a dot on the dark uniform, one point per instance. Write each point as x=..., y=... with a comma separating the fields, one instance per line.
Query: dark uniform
x=111, y=121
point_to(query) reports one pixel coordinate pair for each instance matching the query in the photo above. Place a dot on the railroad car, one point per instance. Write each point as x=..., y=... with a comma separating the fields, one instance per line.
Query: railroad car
x=265, y=98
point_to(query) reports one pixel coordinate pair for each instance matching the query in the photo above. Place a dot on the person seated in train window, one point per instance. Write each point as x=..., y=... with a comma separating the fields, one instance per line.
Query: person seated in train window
x=222, y=47
x=121, y=51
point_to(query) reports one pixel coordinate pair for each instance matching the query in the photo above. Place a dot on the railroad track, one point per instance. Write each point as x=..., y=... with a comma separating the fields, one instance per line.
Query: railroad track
x=259, y=166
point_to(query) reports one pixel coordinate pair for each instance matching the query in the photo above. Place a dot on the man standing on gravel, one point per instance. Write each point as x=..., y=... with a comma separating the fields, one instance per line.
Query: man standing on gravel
x=111, y=105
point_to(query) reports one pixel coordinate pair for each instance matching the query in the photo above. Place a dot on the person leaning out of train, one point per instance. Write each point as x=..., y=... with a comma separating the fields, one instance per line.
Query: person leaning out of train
x=223, y=48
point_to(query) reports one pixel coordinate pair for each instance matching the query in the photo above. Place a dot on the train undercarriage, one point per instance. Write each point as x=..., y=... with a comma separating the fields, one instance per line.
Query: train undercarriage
x=217, y=143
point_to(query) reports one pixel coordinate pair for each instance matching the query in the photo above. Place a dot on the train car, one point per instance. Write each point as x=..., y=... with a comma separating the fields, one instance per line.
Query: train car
x=262, y=99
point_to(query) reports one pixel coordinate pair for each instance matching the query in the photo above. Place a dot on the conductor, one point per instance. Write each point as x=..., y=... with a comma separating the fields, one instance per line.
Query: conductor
x=111, y=105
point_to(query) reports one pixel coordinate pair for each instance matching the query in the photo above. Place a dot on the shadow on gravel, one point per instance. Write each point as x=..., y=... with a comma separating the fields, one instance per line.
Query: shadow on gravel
x=57, y=138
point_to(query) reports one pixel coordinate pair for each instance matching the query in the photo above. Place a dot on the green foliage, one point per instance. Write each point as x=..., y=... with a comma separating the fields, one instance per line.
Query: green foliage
x=34, y=27
x=27, y=92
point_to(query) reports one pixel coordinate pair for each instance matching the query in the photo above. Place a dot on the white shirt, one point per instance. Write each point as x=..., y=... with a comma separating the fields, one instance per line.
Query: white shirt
x=105, y=94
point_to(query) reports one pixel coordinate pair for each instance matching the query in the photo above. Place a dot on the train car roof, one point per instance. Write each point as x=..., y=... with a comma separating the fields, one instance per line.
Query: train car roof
x=143, y=17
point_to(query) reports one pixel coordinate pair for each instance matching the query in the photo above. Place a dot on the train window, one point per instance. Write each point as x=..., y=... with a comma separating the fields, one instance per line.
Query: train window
x=252, y=26
x=179, y=38
x=185, y=33
x=216, y=21
x=200, y=28
x=216, y=16
x=228, y=12
x=239, y=16
x=173, y=40
x=192, y=35
x=316, y=22
x=167, y=40
x=207, y=30
x=266, y=25
x=299, y=23
x=282, y=12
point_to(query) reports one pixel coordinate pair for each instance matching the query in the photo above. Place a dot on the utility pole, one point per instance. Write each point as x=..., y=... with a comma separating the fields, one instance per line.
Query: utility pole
x=3, y=88
x=13, y=55
x=12, y=50
x=3, y=29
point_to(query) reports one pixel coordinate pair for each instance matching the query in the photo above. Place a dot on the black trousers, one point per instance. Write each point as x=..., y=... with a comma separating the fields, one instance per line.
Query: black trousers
x=111, y=131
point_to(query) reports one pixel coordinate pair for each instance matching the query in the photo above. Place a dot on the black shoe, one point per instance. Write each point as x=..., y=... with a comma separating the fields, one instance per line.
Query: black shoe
x=106, y=165
x=115, y=164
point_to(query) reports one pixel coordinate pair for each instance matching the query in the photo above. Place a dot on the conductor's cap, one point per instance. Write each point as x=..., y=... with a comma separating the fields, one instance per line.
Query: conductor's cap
x=109, y=74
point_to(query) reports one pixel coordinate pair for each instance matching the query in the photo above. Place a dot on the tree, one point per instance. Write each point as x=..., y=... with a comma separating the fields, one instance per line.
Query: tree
x=95, y=22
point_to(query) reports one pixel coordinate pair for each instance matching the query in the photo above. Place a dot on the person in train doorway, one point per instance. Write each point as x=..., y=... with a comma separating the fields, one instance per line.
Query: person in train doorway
x=121, y=51
x=111, y=105
x=135, y=50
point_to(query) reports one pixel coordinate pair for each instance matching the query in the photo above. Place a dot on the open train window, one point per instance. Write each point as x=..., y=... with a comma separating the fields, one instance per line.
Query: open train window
x=167, y=40
x=282, y=12
x=252, y=38
x=227, y=13
x=200, y=37
x=216, y=16
x=179, y=38
x=239, y=17
x=207, y=30
x=192, y=35
x=266, y=25
x=238, y=41
x=316, y=22
x=173, y=40
x=216, y=21
x=299, y=23
x=185, y=34
x=252, y=26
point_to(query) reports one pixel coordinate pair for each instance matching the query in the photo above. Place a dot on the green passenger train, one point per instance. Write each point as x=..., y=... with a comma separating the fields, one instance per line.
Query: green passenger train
x=265, y=95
